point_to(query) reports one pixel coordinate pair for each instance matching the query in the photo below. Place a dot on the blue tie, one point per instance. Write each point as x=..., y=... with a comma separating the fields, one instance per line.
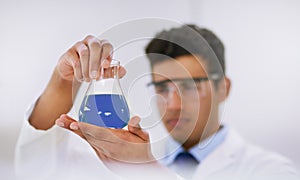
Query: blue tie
x=185, y=165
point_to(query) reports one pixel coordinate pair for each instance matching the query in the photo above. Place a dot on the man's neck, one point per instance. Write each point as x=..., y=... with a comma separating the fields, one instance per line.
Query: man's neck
x=206, y=134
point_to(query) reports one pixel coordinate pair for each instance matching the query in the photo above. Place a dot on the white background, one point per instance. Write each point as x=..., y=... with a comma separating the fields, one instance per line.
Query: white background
x=262, y=53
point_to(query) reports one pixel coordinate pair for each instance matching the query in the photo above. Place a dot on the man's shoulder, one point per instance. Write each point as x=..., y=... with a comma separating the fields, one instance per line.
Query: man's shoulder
x=254, y=158
x=236, y=144
x=236, y=157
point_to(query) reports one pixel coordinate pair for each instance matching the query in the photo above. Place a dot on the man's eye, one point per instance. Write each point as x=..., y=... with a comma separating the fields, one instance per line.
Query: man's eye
x=161, y=89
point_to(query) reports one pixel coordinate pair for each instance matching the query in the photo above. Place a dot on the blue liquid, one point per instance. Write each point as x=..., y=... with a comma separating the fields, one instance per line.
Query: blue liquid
x=106, y=110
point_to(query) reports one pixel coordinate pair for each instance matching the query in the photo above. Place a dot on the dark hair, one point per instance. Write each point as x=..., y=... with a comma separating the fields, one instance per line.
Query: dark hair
x=188, y=40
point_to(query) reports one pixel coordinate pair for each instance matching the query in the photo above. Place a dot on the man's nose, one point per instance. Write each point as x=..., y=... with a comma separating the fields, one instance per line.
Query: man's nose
x=174, y=100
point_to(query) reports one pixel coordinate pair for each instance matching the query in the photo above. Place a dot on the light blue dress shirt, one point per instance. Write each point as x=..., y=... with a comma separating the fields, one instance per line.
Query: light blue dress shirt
x=199, y=151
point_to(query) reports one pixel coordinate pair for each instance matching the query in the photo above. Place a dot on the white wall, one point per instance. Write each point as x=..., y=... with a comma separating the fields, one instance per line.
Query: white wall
x=261, y=57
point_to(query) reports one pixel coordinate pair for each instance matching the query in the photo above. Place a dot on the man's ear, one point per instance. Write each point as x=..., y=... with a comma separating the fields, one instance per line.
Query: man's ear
x=223, y=89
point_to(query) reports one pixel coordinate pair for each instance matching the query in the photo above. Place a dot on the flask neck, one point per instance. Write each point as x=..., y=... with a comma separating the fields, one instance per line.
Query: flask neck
x=108, y=83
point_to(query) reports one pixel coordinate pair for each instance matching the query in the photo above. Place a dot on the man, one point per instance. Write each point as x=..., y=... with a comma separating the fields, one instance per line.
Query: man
x=189, y=78
x=190, y=113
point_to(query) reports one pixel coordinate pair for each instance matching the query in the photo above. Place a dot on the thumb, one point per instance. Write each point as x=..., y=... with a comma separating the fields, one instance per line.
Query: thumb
x=135, y=122
x=135, y=128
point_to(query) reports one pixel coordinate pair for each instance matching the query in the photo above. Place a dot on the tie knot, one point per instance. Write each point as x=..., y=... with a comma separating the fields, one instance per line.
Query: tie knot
x=186, y=157
x=185, y=164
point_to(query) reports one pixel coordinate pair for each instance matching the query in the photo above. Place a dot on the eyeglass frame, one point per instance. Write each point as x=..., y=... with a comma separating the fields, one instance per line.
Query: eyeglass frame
x=214, y=76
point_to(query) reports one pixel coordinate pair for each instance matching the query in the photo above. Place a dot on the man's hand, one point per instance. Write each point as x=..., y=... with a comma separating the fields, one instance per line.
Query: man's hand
x=82, y=62
x=130, y=146
x=118, y=145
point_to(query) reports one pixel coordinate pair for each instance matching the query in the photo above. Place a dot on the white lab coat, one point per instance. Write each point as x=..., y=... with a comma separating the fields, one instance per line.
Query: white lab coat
x=236, y=159
x=60, y=154
x=56, y=154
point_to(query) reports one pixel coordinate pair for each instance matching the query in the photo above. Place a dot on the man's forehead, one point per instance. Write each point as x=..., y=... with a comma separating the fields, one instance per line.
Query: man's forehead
x=181, y=67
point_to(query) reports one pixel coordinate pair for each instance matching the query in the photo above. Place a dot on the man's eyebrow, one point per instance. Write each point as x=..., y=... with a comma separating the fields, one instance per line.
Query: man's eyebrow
x=159, y=82
x=177, y=79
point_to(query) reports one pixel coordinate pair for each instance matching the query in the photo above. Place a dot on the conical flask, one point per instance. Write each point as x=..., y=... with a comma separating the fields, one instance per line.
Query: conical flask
x=104, y=103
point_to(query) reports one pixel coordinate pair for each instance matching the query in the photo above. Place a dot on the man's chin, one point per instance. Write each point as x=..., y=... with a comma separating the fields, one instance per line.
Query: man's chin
x=180, y=136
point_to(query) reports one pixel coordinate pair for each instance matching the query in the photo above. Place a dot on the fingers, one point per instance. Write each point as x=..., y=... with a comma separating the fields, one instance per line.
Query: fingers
x=96, y=132
x=106, y=54
x=122, y=71
x=135, y=128
x=69, y=66
x=67, y=122
x=84, y=60
x=100, y=55
x=92, y=132
x=81, y=62
x=112, y=144
x=95, y=56
x=134, y=122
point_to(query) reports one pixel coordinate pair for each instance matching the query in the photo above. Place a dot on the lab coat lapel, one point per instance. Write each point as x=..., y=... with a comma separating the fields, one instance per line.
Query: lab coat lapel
x=222, y=157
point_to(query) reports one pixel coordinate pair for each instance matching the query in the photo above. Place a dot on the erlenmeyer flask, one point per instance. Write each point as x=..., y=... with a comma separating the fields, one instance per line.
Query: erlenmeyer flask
x=104, y=103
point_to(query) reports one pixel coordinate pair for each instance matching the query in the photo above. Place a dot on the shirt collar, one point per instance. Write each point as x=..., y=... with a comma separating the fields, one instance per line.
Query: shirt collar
x=199, y=151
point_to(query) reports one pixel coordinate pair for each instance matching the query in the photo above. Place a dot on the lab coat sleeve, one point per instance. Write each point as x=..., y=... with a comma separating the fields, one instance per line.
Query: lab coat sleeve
x=37, y=151
x=56, y=153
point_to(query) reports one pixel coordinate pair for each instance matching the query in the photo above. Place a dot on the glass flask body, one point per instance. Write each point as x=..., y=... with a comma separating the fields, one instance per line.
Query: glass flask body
x=104, y=103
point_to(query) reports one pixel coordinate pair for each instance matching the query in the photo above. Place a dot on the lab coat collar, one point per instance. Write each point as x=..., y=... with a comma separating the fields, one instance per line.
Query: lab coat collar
x=199, y=151
x=207, y=146
x=223, y=156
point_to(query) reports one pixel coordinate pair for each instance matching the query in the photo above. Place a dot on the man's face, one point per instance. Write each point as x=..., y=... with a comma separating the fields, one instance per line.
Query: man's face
x=184, y=109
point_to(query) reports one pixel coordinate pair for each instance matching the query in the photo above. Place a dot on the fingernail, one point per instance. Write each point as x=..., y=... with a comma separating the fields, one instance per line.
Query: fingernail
x=59, y=123
x=93, y=74
x=81, y=80
x=73, y=126
x=105, y=63
x=135, y=121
